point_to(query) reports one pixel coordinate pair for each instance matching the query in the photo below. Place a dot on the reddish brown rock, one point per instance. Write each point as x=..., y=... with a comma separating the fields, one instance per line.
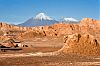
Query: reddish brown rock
x=31, y=34
x=81, y=44
x=86, y=25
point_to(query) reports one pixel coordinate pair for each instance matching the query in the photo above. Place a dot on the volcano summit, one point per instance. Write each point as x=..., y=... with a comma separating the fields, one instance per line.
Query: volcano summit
x=40, y=19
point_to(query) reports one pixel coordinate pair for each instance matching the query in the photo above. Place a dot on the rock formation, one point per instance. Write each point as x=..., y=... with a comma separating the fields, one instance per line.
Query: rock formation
x=81, y=44
x=31, y=34
x=87, y=25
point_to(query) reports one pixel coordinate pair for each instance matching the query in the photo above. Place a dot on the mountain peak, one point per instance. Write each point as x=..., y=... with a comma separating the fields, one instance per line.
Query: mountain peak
x=70, y=19
x=42, y=16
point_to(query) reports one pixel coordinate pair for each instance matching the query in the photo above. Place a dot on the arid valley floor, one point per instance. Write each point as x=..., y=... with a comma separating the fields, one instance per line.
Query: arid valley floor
x=44, y=46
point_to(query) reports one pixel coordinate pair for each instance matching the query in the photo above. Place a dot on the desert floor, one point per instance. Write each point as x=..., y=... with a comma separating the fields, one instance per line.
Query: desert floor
x=46, y=45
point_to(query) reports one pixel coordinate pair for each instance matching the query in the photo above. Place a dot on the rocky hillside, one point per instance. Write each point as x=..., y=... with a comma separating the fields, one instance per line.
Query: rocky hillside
x=7, y=27
x=81, y=44
x=86, y=25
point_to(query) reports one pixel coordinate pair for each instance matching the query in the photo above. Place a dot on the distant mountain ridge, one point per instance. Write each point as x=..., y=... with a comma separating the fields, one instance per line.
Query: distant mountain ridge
x=42, y=19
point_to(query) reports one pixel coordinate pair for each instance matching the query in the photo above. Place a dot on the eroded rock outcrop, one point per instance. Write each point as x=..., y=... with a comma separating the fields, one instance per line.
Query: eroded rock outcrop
x=87, y=25
x=81, y=44
x=74, y=44
x=31, y=34
x=7, y=28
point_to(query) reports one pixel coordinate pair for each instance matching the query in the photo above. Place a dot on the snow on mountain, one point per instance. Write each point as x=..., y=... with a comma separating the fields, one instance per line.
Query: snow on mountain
x=39, y=20
x=42, y=16
x=70, y=20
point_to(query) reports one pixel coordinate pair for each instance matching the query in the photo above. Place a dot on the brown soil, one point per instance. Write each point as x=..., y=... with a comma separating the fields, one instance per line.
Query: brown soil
x=68, y=60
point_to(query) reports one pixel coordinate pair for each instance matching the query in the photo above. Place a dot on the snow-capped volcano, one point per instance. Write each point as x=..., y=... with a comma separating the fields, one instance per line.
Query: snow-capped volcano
x=40, y=19
x=42, y=16
x=70, y=20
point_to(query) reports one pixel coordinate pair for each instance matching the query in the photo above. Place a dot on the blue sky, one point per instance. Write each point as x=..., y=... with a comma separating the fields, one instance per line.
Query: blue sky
x=18, y=11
